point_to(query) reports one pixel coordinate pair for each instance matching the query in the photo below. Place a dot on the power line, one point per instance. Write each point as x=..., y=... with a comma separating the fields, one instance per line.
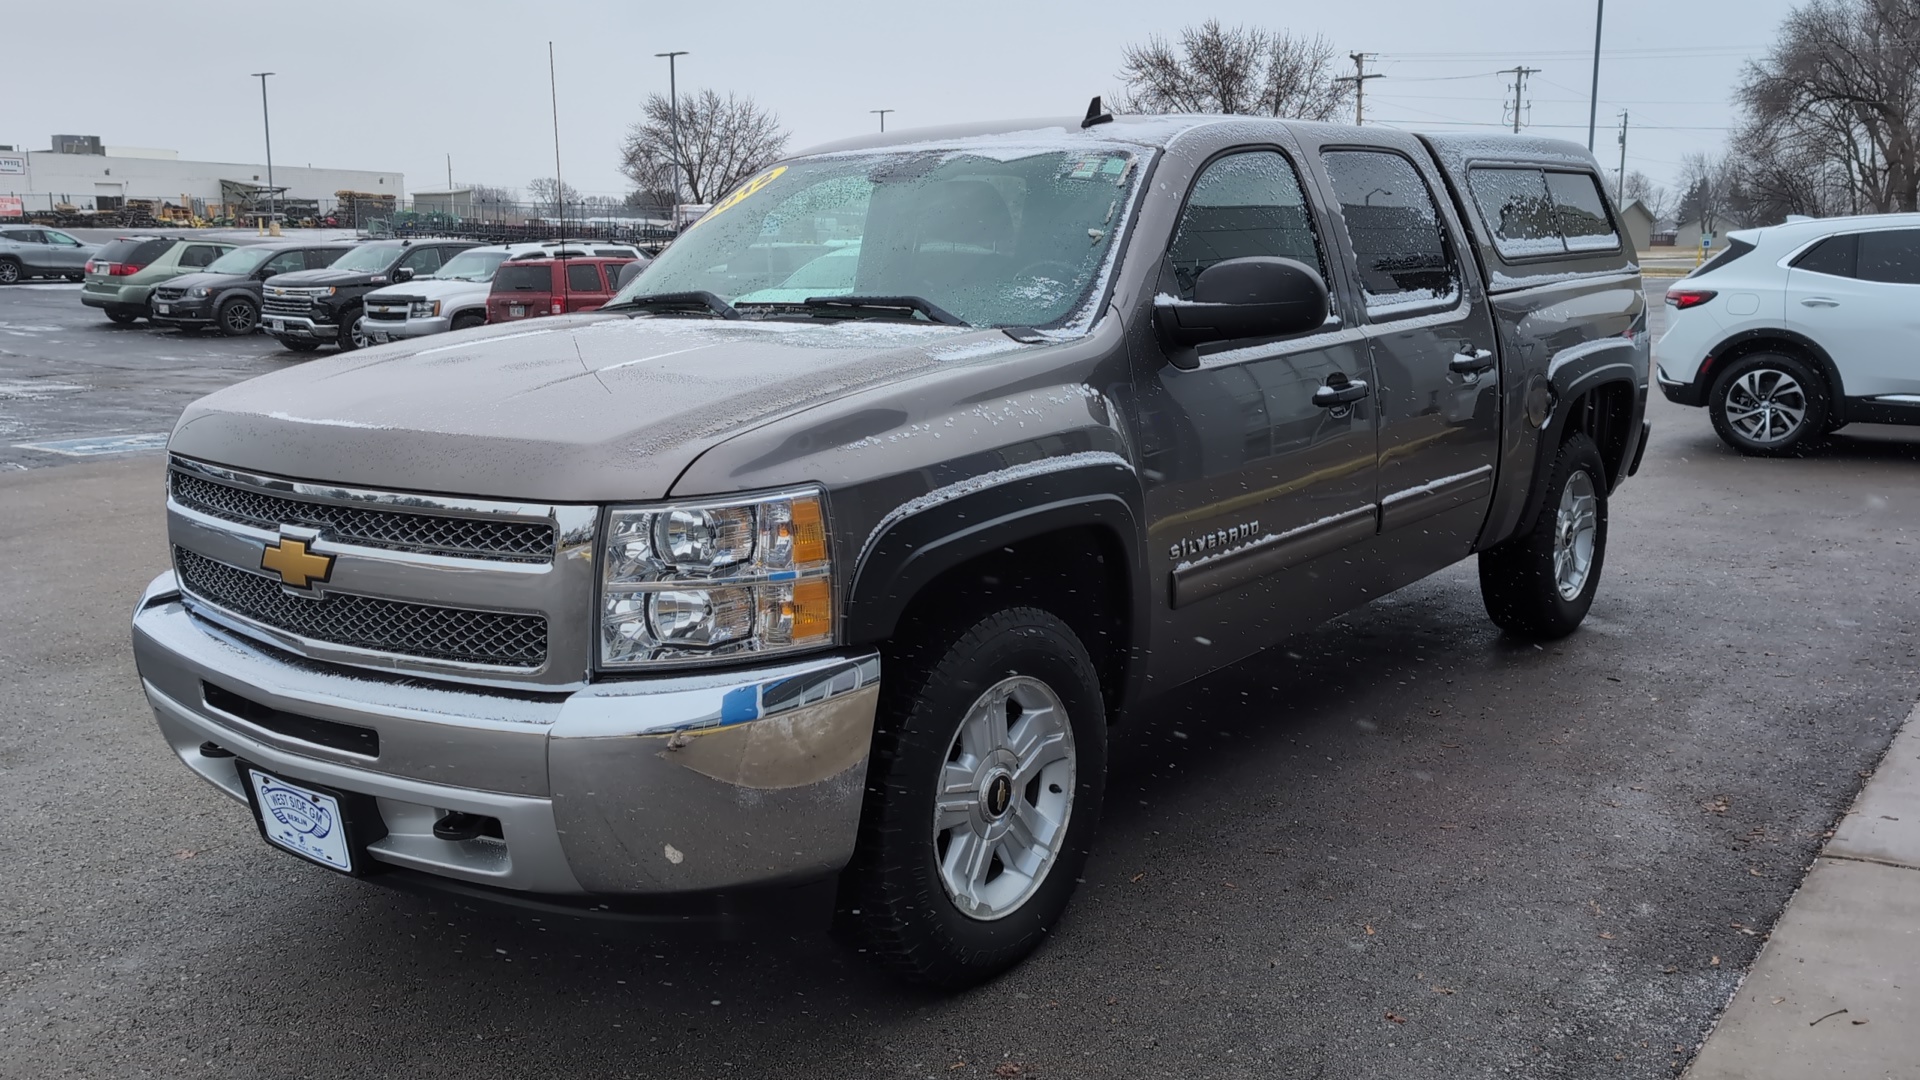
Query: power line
x=1359, y=80
x=1519, y=73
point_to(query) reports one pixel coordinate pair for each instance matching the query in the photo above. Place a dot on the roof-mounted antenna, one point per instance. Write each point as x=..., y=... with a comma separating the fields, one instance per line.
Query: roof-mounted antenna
x=1096, y=115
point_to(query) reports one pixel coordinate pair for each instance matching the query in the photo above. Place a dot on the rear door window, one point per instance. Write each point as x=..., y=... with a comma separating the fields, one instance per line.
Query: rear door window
x=1580, y=212
x=1394, y=227
x=198, y=255
x=1835, y=255
x=513, y=278
x=25, y=236
x=133, y=252
x=321, y=258
x=1892, y=257
x=583, y=277
x=1245, y=204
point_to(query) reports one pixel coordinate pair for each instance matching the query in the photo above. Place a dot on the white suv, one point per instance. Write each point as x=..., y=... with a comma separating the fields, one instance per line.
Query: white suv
x=455, y=296
x=1797, y=329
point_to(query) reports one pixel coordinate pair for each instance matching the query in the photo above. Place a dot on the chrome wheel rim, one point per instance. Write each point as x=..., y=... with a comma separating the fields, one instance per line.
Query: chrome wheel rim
x=1006, y=795
x=1576, y=525
x=1765, y=406
x=9, y=273
x=359, y=335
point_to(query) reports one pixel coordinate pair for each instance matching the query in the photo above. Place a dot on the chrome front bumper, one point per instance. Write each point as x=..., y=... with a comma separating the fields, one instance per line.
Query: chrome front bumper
x=383, y=330
x=682, y=784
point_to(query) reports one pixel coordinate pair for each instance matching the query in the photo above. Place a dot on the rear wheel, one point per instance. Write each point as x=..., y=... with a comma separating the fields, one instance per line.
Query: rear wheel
x=76, y=278
x=123, y=318
x=1541, y=585
x=1769, y=405
x=983, y=796
x=9, y=271
x=238, y=317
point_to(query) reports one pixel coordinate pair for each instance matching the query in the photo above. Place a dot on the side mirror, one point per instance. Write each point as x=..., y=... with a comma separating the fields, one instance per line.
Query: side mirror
x=1255, y=297
x=402, y=274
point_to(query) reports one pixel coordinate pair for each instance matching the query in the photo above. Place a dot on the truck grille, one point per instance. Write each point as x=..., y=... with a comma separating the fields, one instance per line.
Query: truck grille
x=387, y=312
x=286, y=305
x=389, y=626
x=425, y=534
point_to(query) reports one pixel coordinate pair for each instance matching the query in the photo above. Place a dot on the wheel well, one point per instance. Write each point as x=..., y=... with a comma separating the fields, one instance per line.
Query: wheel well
x=1780, y=342
x=1605, y=415
x=1077, y=574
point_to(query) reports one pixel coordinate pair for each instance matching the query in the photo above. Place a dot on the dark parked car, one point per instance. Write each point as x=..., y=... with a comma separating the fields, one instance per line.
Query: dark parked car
x=226, y=294
x=532, y=288
x=121, y=276
x=30, y=251
x=719, y=593
x=310, y=308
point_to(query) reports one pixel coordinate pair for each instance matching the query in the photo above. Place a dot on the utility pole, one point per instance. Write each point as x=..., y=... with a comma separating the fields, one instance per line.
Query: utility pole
x=266, y=123
x=449, y=178
x=673, y=102
x=1593, y=99
x=1519, y=89
x=883, y=118
x=1620, y=192
x=1359, y=80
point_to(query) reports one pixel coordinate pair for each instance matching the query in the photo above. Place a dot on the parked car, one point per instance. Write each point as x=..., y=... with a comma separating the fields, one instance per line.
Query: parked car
x=226, y=294
x=121, y=276
x=1796, y=330
x=454, y=297
x=30, y=251
x=696, y=599
x=310, y=308
x=537, y=287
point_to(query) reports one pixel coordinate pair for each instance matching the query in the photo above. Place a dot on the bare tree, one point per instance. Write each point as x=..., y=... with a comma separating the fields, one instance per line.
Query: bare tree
x=492, y=196
x=1711, y=189
x=1640, y=188
x=558, y=194
x=719, y=142
x=1833, y=111
x=1246, y=70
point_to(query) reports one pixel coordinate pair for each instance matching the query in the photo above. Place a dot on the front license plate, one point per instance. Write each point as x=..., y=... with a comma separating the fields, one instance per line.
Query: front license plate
x=164, y=309
x=277, y=326
x=305, y=821
x=379, y=336
x=516, y=310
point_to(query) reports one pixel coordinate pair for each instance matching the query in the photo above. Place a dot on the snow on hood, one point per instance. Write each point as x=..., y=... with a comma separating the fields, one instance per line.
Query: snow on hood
x=583, y=408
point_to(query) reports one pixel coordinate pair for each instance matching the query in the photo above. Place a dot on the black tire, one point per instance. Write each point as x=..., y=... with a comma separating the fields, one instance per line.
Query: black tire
x=76, y=278
x=1520, y=578
x=122, y=318
x=467, y=320
x=10, y=271
x=894, y=899
x=348, y=337
x=299, y=344
x=1766, y=390
x=238, y=317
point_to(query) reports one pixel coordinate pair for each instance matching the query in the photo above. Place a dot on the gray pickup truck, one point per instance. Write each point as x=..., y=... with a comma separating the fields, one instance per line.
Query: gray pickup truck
x=820, y=563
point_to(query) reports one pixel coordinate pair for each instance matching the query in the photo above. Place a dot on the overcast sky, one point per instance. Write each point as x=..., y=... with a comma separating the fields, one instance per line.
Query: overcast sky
x=397, y=86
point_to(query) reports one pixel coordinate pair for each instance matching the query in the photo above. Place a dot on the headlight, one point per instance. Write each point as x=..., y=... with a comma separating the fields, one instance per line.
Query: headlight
x=424, y=309
x=692, y=581
x=200, y=292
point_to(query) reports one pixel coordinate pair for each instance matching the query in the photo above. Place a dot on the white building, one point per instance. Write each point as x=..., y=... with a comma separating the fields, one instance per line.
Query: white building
x=44, y=178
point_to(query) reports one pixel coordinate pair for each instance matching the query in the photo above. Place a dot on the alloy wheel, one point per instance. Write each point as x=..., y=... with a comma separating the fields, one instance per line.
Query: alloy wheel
x=238, y=318
x=1006, y=794
x=9, y=272
x=1576, y=523
x=1765, y=406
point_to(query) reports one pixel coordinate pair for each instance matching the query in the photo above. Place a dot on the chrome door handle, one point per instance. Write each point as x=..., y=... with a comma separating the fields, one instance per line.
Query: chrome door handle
x=1344, y=392
x=1819, y=301
x=1471, y=363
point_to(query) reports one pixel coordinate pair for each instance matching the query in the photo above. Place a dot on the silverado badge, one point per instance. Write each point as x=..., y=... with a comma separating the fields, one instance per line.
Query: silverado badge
x=296, y=566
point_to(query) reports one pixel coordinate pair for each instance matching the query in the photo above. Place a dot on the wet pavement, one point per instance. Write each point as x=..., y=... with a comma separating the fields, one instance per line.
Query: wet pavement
x=1399, y=846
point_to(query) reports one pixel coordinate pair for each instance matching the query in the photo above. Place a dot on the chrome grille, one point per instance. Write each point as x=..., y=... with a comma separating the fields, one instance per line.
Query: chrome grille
x=426, y=534
x=389, y=626
x=286, y=305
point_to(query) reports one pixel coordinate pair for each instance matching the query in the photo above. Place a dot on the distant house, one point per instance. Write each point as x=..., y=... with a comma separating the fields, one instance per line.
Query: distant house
x=455, y=202
x=1637, y=220
x=1687, y=235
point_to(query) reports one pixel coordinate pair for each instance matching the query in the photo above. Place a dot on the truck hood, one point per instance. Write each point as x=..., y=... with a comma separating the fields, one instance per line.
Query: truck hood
x=580, y=408
x=305, y=279
x=431, y=289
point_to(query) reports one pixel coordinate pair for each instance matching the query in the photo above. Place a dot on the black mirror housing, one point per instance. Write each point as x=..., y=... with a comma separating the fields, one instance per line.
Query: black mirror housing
x=1256, y=297
x=402, y=274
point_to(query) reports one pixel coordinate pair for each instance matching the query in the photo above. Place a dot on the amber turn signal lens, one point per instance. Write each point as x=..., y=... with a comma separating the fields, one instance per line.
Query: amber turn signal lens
x=811, y=610
x=809, y=533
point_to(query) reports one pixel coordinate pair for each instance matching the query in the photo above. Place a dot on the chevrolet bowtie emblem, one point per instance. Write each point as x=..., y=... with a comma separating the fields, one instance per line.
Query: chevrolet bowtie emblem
x=296, y=566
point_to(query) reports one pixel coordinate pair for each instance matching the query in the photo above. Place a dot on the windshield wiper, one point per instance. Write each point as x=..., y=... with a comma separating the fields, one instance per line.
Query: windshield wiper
x=855, y=307
x=697, y=300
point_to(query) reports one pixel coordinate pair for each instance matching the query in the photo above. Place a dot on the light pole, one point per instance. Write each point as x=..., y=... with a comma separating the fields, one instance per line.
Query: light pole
x=883, y=118
x=673, y=103
x=273, y=216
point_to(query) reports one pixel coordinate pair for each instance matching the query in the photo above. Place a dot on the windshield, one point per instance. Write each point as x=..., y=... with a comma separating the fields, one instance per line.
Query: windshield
x=241, y=260
x=372, y=258
x=472, y=266
x=1003, y=237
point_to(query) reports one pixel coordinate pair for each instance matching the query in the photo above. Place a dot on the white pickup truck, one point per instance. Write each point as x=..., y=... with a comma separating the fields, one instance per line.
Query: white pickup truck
x=455, y=296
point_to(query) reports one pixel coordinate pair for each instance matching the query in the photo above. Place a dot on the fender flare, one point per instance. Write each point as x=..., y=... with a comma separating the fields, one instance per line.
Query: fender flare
x=926, y=537
x=1569, y=384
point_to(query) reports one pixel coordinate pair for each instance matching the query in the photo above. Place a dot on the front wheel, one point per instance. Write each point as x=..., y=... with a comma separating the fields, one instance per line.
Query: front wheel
x=983, y=796
x=1541, y=585
x=298, y=344
x=352, y=335
x=238, y=318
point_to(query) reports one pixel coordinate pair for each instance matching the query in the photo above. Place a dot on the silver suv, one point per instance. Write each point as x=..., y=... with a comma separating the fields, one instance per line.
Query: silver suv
x=29, y=251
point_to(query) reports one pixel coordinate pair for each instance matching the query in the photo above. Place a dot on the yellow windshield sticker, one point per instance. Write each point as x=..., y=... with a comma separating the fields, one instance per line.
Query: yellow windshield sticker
x=741, y=193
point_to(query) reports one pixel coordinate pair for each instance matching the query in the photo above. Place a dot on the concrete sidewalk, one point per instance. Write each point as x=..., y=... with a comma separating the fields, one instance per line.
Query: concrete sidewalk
x=1836, y=992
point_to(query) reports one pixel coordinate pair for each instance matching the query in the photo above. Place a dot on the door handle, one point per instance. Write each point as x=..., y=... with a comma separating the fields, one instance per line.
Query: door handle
x=1471, y=363
x=1819, y=301
x=1345, y=392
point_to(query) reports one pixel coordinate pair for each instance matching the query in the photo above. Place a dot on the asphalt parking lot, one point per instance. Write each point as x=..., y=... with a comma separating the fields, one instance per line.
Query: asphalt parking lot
x=1400, y=846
